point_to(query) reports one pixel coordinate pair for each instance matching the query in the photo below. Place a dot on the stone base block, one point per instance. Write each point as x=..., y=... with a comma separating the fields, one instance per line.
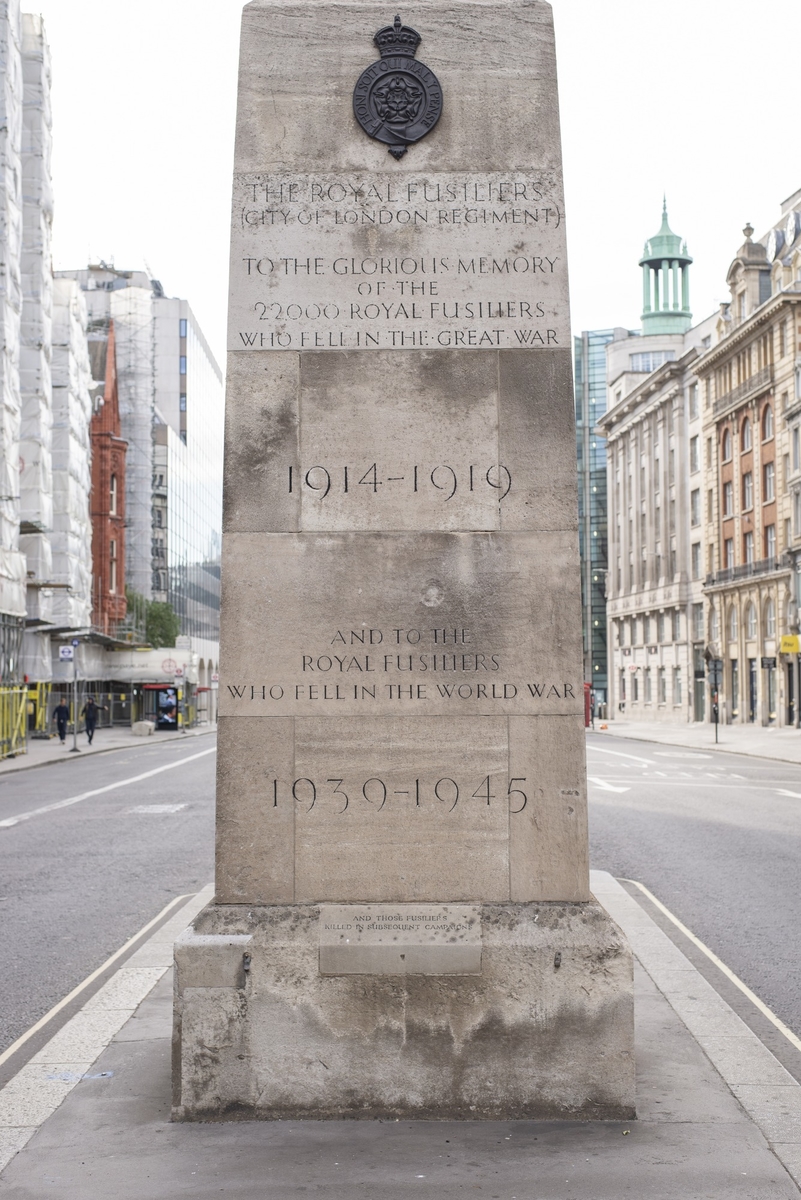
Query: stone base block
x=544, y=1030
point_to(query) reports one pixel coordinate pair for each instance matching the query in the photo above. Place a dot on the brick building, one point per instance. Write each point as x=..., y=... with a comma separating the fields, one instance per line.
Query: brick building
x=108, y=483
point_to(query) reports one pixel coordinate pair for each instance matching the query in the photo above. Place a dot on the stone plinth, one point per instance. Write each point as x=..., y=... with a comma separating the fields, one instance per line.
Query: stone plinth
x=403, y=923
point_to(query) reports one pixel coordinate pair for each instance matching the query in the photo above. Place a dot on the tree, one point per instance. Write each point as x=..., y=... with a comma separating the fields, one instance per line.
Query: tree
x=161, y=624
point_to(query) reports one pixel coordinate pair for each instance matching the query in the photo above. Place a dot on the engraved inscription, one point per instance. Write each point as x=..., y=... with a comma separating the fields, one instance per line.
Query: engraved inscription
x=400, y=939
x=387, y=262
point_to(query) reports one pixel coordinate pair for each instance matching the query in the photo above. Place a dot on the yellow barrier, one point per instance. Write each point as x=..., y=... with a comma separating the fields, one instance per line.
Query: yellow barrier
x=13, y=720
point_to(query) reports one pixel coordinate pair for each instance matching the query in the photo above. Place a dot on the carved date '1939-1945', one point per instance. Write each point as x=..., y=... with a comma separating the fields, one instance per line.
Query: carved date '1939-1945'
x=442, y=479
x=444, y=794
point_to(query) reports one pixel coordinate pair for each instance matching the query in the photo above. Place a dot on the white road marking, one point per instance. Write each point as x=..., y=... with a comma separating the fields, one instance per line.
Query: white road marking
x=784, y=792
x=619, y=754
x=157, y=808
x=110, y=787
x=735, y=979
x=678, y=754
x=606, y=787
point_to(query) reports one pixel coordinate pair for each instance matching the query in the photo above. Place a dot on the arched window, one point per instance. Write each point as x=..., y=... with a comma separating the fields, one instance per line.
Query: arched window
x=745, y=436
x=726, y=445
x=112, y=504
x=750, y=622
x=770, y=619
x=714, y=627
x=733, y=624
x=767, y=423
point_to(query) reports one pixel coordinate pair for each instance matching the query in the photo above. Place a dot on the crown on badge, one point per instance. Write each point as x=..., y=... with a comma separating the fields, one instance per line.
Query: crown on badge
x=397, y=39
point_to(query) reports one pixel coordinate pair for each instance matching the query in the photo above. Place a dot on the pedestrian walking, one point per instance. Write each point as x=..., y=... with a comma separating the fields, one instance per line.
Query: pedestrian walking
x=61, y=714
x=90, y=713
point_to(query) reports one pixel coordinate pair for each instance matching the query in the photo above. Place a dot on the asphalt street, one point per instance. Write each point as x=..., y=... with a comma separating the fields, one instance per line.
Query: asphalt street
x=77, y=882
x=717, y=838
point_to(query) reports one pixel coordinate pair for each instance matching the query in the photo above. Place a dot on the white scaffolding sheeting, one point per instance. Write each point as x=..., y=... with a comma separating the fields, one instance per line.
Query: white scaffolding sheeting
x=12, y=562
x=36, y=484
x=132, y=310
x=72, y=412
x=36, y=474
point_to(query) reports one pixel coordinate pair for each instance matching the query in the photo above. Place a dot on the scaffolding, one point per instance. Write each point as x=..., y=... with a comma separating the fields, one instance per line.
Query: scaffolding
x=72, y=412
x=12, y=562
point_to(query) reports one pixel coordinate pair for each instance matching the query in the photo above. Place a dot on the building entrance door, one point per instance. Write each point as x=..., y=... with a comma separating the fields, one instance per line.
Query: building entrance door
x=789, y=719
x=752, y=689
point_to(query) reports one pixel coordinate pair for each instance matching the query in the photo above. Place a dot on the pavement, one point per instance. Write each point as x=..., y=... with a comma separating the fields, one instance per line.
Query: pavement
x=759, y=741
x=719, y=1118
x=43, y=751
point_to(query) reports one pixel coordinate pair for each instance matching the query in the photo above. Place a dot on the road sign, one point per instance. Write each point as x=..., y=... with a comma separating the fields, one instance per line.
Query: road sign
x=66, y=654
x=76, y=641
x=790, y=644
x=215, y=678
x=716, y=672
x=178, y=672
x=768, y=663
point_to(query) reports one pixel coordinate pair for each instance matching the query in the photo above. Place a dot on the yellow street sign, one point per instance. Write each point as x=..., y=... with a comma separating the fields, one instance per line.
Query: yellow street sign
x=790, y=644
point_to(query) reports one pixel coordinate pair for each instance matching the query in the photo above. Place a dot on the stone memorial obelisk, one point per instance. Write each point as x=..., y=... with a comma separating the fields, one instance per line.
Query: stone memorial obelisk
x=403, y=924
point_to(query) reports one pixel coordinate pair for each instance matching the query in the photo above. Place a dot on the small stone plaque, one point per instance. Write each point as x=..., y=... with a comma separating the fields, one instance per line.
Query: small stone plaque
x=400, y=939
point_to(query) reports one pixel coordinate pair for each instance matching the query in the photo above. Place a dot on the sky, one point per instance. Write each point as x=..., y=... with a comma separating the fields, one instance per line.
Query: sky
x=695, y=99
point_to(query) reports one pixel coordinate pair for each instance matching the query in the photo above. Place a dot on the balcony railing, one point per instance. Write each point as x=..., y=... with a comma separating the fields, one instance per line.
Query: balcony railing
x=779, y=562
x=749, y=387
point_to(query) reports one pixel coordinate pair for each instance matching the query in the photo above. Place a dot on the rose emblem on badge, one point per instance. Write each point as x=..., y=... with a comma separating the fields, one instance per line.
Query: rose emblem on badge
x=397, y=99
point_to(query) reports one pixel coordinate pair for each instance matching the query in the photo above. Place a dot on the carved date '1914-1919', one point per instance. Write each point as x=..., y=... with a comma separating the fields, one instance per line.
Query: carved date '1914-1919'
x=442, y=479
x=445, y=793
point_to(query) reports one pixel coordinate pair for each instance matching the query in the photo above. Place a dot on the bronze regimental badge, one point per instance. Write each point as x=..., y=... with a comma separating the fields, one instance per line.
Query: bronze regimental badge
x=397, y=100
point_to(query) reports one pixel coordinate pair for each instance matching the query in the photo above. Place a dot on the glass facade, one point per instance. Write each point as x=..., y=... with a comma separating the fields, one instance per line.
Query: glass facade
x=187, y=483
x=590, y=394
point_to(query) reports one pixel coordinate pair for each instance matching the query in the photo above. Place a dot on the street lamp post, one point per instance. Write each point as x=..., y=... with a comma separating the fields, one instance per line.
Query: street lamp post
x=75, y=747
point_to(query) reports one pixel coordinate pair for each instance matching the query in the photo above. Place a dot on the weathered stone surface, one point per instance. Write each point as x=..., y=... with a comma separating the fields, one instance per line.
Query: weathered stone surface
x=401, y=675
x=532, y=1036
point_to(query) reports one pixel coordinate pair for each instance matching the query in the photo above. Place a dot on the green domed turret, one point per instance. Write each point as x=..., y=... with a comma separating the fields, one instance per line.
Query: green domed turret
x=666, y=302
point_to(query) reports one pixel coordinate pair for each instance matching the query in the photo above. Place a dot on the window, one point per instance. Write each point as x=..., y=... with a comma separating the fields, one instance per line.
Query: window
x=769, y=492
x=112, y=574
x=770, y=619
x=112, y=497
x=750, y=622
x=660, y=627
x=635, y=689
x=748, y=490
x=745, y=436
x=695, y=507
x=677, y=685
x=696, y=560
x=728, y=552
x=710, y=503
x=672, y=467
x=182, y=402
x=709, y=452
x=623, y=685
x=662, y=686
x=182, y=364
x=787, y=533
x=748, y=547
x=728, y=499
x=650, y=360
x=770, y=541
x=796, y=448
x=646, y=629
x=676, y=625
x=714, y=626
x=693, y=401
x=695, y=454
x=797, y=513
x=767, y=423
x=785, y=472
x=182, y=327
x=782, y=340
x=726, y=445
x=657, y=522
x=732, y=624
x=698, y=622
x=672, y=562
x=647, y=685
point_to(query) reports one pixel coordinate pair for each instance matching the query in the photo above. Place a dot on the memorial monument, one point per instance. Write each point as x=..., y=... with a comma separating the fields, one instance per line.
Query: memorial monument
x=403, y=924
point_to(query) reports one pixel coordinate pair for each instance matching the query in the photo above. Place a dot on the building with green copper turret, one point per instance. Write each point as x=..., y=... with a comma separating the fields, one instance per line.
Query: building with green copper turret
x=665, y=282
